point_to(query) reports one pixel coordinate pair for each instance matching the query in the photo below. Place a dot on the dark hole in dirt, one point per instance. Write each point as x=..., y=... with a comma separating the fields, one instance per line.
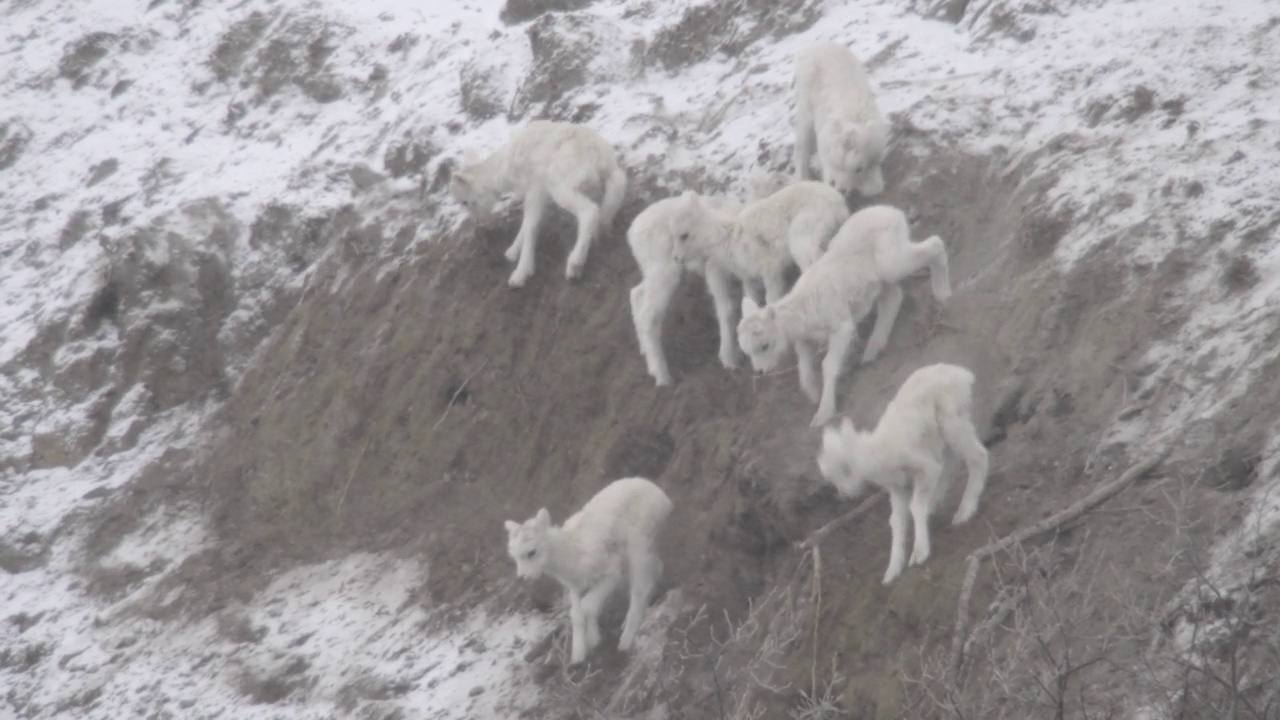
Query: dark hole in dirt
x=1006, y=414
x=1234, y=470
x=1039, y=235
x=456, y=394
x=1063, y=404
x=640, y=452
x=105, y=305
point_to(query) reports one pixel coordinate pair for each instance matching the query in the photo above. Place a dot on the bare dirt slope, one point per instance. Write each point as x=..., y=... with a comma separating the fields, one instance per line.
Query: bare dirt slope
x=263, y=424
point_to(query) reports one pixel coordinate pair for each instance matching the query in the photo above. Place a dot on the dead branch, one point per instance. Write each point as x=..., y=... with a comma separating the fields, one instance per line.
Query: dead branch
x=817, y=536
x=350, y=477
x=1050, y=524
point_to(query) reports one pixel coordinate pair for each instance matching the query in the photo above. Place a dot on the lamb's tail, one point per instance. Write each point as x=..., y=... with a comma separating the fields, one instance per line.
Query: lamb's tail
x=615, y=188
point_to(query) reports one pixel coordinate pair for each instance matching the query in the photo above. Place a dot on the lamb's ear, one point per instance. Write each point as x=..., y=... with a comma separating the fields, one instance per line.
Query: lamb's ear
x=543, y=517
x=511, y=526
x=749, y=306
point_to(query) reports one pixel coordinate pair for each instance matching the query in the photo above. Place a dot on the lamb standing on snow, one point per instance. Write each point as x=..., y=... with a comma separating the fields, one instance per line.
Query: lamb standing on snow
x=621, y=523
x=561, y=161
x=904, y=455
x=836, y=109
x=866, y=260
x=762, y=239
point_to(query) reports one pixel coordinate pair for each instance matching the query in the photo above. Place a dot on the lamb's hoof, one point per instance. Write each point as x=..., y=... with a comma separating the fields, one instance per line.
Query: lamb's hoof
x=573, y=270
x=518, y=279
x=889, y=577
x=513, y=253
x=961, y=518
x=914, y=561
x=821, y=419
x=662, y=381
x=729, y=363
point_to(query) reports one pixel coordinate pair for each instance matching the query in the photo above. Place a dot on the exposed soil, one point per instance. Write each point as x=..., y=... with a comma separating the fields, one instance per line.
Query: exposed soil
x=415, y=409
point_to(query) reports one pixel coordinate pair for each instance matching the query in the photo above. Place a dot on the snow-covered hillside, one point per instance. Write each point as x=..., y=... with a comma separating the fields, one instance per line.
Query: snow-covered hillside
x=172, y=172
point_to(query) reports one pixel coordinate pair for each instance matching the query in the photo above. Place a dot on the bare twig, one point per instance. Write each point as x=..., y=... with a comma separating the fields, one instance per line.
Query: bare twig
x=1050, y=524
x=350, y=477
x=817, y=536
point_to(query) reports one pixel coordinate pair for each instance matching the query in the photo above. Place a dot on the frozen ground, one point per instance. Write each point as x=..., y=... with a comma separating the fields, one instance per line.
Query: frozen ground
x=116, y=118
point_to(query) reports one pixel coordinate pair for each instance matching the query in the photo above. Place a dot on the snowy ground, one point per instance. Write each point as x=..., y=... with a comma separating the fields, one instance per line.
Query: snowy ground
x=1176, y=102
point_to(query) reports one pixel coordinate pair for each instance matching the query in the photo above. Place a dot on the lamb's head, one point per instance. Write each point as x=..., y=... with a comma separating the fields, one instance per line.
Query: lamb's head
x=842, y=457
x=852, y=156
x=468, y=189
x=761, y=183
x=686, y=220
x=527, y=544
x=760, y=336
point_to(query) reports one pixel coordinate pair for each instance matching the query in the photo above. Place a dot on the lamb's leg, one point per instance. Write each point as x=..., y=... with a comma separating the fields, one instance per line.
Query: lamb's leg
x=644, y=571
x=535, y=202
x=837, y=347
x=775, y=286
x=649, y=302
x=963, y=438
x=588, y=214
x=808, y=374
x=804, y=144
x=577, y=627
x=898, y=500
x=923, y=484
x=592, y=601
x=908, y=258
x=720, y=285
x=887, y=306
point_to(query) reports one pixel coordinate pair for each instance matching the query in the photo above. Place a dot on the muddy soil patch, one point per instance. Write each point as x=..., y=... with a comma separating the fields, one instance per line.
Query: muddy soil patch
x=417, y=407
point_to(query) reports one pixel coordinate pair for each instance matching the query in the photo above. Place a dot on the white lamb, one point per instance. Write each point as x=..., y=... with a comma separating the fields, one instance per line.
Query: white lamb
x=762, y=239
x=652, y=237
x=836, y=109
x=564, y=162
x=904, y=455
x=619, y=525
x=867, y=259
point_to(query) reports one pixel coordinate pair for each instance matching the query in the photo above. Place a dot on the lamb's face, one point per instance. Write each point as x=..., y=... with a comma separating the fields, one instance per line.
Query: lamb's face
x=760, y=337
x=478, y=201
x=854, y=161
x=838, y=458
x=527, y=544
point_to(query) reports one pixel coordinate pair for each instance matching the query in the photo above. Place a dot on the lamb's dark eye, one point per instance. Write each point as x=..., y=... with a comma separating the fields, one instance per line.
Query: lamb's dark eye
x=531, y=554
x=765, y=347
x=684, y=237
